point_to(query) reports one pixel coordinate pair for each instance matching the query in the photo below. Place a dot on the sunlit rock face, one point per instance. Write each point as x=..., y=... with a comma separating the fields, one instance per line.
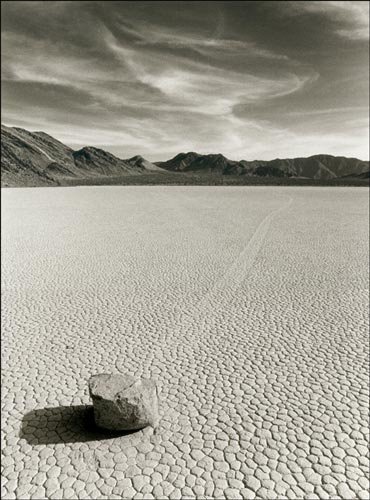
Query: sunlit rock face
x=122, y=402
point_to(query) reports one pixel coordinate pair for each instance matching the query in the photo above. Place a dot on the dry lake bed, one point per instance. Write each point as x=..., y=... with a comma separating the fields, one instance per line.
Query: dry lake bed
x=247, y=305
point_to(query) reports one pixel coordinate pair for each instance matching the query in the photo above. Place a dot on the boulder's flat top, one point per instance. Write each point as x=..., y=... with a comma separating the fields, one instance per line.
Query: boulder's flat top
x=107, y=385
x=249, y=306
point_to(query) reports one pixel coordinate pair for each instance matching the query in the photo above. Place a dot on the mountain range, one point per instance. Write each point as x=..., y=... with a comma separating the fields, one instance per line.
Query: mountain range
x=314, y=167
x=37, y=159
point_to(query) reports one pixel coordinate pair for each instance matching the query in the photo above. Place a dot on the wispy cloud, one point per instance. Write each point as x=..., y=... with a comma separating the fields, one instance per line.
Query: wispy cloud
x=328, y=111
x=202, y=87
x=149, y=35
x=350, y=17
x=240, y=80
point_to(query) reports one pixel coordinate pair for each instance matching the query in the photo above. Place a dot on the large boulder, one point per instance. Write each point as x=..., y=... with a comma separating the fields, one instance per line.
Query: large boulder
x=123, y=402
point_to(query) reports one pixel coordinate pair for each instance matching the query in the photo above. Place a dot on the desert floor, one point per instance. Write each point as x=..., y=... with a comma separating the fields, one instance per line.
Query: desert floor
x=248, y=305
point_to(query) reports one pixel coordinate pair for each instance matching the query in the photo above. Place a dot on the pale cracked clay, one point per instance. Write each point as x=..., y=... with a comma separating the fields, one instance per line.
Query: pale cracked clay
x=123, y=402
x=250, y=312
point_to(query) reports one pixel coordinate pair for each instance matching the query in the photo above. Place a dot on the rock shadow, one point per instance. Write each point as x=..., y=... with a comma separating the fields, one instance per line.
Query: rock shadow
x=64, y=424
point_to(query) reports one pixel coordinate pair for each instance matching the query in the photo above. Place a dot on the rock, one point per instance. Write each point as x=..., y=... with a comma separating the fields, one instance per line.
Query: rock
x=122, y=402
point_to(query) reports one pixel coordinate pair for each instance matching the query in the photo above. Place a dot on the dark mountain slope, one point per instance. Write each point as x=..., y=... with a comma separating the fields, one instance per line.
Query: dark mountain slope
x=140, y=162
x=194, y=162
x=37, y=159
x=25, y=157
x=315, y=167
x=94, y=161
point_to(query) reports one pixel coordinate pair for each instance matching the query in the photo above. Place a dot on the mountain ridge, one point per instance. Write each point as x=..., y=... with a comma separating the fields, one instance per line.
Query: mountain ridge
x=38, y=159
x=318, y=167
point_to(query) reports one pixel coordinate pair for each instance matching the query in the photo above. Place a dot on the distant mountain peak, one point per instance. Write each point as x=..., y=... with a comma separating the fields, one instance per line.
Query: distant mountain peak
x=218, y=156
x=91, y=150
x=136, y=158
x=141, y=162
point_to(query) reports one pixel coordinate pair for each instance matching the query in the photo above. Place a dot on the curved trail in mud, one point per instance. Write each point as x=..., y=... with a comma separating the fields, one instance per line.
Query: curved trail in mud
x=245, y=260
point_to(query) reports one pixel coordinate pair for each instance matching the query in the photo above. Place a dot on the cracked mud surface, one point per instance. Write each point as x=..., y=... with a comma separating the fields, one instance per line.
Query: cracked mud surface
x=247, y=305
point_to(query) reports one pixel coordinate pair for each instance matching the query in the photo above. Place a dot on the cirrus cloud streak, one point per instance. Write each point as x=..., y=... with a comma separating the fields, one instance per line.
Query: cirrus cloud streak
x=134, y=80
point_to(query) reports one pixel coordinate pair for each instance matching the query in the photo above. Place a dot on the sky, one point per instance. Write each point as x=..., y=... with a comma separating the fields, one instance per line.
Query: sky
x=250, y=80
